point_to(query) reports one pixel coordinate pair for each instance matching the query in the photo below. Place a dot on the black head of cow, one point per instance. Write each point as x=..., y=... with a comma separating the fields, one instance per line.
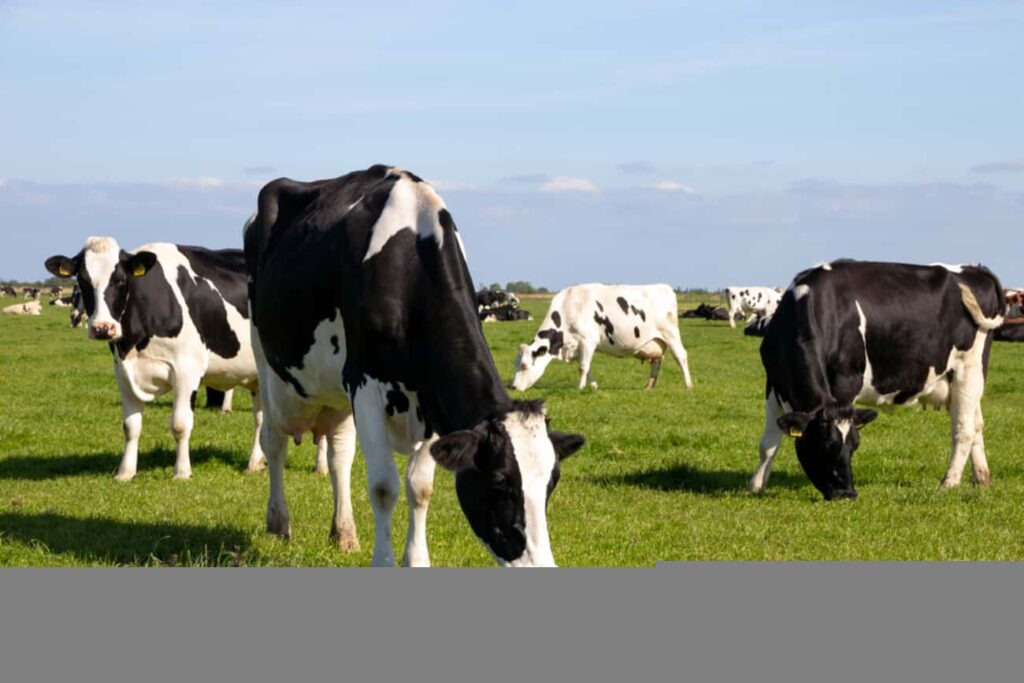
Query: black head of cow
x=826, y=440
x=104, y=273
x=505, y=470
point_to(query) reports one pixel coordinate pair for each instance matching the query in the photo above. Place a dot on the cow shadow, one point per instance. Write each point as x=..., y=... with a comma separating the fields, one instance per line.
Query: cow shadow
x=683, y=477
x=106, y=540
x=41, y=467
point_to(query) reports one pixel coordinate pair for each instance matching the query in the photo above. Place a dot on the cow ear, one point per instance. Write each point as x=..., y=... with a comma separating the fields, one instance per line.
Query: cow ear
x=566, y=444
x=794, y=423
x=61, y=266
x=456, y=451
x=863, y=416
x=141, y=263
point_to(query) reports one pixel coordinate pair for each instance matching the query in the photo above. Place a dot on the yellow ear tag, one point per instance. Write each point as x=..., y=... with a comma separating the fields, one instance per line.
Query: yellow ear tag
x=139, y=271
x=64, y=272
x=795, y=433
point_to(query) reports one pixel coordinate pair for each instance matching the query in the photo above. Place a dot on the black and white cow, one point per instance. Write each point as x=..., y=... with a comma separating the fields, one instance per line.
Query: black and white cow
x=875, y=334
x=361, y=297
x=619, y=320
x=486, y=298
x=174, y=317
x=503, y=313
x=762, y=301
x=8, y=291
x=706, y=311
x=30, y=293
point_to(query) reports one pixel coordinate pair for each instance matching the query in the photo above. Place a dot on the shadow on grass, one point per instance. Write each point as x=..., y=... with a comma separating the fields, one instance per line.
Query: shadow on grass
x=114, y=541
x=41, y=467
x=686, y=478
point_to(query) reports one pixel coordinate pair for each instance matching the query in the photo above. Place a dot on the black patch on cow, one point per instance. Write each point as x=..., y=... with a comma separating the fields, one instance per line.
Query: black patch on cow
x=397, y=401
x=150, y=308
x=623, y=304
x=539, y=352
x=639, y=312
x=334, y=343
x=555, y=340
x=413, y=177
x=556, y=318
x=599, y=306
x=206, y=308
x=225, y=268
x=606, y=322
x=636, y=332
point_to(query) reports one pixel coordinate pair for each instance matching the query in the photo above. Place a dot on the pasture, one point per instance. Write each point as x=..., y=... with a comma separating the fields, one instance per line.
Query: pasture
x=662, y=477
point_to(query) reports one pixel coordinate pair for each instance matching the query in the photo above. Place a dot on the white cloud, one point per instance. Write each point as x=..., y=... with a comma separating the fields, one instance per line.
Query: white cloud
x=204, y=182
x=673, y=186
x=567, y=184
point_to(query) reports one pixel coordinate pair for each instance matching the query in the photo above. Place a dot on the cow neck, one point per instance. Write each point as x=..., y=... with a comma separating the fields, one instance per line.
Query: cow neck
x=465, y=387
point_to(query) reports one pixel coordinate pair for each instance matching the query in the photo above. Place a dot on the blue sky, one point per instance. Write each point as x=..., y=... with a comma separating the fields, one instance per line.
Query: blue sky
x=699, y=144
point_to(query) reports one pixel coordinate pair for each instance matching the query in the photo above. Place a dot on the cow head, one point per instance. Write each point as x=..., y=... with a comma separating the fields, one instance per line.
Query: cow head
x=826, y=440
x=104, y=273
x=505, y=469
x=533, y=358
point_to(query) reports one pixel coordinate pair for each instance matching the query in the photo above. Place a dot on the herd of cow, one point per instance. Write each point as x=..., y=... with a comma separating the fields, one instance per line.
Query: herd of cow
x=351, y=305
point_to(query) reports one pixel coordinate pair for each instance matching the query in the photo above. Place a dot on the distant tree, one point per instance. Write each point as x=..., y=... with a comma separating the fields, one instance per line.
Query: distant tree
x=520, y=287
x=494, y=287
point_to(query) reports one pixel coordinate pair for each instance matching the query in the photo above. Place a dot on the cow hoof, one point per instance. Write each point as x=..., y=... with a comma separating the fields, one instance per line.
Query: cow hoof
x=950, y=483
x=347, y=543
x=254, y=468
x=320, y=469
x=279, y=526
x=983, y=479
x=124, y=476
x=182, y=476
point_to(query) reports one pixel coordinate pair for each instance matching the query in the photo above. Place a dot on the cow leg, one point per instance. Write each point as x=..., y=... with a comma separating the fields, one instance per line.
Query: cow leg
x=419, y=486
x=322, y=447
x=653, y=379
x=340, y=445
x=771, y=439
x=275, y=447
x=182, y=420
x=131, y=411
x=381, y=472
x=675, y=344
x=257, y=461
x=733, y=310
x=964, y=411
x=226, y=406
x=979, y=463
x=586, y=358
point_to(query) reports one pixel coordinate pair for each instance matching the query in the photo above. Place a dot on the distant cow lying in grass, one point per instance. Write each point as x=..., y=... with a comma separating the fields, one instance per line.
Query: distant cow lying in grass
x=31, y=308
x=706, y=311
x=619, y=320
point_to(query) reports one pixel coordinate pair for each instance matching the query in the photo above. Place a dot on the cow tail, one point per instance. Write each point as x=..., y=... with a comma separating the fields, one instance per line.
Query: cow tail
x=974, y=308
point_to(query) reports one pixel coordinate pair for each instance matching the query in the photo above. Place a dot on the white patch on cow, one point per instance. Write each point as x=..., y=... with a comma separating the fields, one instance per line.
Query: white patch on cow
x=101, y=258
x=953, y=268
x=824, y=265
x=535, y=456
x=844, y=428
x=410, y=206
x=800, y=291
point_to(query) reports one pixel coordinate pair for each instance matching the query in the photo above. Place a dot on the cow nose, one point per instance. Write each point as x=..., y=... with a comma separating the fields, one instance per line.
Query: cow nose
x=102, y=331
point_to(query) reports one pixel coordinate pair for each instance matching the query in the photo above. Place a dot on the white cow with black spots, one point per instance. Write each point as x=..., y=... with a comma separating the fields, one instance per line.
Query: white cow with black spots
x=761, y=301
x=619, y=320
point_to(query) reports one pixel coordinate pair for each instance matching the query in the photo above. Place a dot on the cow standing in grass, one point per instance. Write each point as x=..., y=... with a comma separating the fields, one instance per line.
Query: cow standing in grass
x=363, y=304
x=876, y=333
x=618, y=320
x=761, y=301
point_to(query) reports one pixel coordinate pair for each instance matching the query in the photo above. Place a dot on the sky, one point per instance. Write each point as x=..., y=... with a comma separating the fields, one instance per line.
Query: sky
x=701, y=144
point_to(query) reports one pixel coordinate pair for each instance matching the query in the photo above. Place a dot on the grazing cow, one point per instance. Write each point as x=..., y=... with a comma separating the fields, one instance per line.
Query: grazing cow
x=31, y=308
x=503, y=312
x=361, y=297
x=174, y=317
x=8, y=291
x=762, y=301
x=30, y=292
x=758, y=328
x=619, y=320
x=841, y=336
x=707, y=312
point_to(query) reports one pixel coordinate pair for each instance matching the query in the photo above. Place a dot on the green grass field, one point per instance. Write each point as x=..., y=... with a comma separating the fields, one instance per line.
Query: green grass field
x=662, y=477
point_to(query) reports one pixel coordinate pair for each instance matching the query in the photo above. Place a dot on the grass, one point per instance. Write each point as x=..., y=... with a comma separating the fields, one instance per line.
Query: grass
x=662, y=477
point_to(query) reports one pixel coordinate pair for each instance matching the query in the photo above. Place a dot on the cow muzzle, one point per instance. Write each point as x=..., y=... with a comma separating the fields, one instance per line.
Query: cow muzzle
x=104, y=331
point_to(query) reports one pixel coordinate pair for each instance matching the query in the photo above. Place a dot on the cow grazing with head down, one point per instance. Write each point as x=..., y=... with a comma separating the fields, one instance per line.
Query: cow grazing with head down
x=876, y=333
x=8, y=291
x=174, y=317
x=761, y=301
x=362, y=301
x=619, y=320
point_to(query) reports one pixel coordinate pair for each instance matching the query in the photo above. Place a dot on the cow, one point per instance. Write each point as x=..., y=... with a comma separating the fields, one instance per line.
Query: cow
x=31, y=308
x=1010, y=331
x=55, y=291
x=619, y=320
x=876, y=333
x=61, y=302
x=503, y=312
x=363, y=305
x=8, y=291
x=30, y=293
x=174, y=317
x=491, y=297
x=707, y=312
x=762, y=301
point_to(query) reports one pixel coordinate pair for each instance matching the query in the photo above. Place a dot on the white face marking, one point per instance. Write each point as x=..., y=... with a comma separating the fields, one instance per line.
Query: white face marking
x=844, y=428
x=535, y=456
x=410, y=206
x=101, y=258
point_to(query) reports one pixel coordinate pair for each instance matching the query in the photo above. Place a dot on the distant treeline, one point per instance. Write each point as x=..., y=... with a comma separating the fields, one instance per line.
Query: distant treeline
x=49, y=282
x=525, y=287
